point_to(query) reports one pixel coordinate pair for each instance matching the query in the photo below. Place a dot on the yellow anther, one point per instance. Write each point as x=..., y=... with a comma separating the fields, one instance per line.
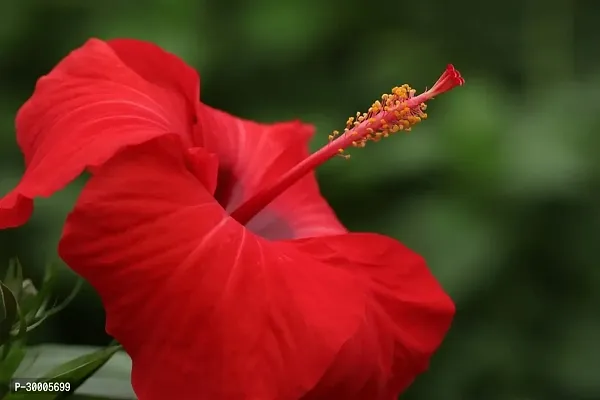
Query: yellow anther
x=393, y=113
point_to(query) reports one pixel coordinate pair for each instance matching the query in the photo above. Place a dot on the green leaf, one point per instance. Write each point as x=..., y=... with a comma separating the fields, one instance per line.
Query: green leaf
x=37, y=304
x=28, y=289
x=77, y=371
x=61, y=306
x=8, y=312
x=12, y=361
x=14, y=278
x=42, y=314
x=111, y=381
x=20, y=331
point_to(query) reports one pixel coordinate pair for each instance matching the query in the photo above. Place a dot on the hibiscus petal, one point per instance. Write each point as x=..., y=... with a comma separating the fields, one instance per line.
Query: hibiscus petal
x=206, y=309
x=160, y=68
x=209, y=311
x=253, y=155
x=90, y=106
x=407, y=317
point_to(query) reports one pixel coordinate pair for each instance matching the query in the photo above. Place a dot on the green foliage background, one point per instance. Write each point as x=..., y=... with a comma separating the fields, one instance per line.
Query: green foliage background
x=499, y=189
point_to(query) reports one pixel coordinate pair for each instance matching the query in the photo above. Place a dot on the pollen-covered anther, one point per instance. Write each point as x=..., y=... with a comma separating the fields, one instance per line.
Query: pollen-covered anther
x=341, y=153
x=395, y=112
x=333, y=135
x=385, y=117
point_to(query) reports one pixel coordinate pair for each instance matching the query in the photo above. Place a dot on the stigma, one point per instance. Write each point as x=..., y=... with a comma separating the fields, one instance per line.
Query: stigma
x=395, y=112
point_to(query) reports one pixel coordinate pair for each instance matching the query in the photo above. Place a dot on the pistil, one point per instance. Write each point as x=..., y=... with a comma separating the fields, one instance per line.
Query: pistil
x=395, y=112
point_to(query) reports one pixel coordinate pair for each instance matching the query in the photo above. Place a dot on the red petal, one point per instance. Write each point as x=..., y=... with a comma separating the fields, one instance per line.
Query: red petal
x=159, y=68
x=251, y=156
x=408, y=315
x=193, y=296
x=90, y=106
x=209, y=311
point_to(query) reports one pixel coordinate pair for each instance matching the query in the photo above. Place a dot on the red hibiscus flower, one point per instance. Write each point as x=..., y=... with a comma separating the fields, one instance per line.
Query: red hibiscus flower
x=224, y=273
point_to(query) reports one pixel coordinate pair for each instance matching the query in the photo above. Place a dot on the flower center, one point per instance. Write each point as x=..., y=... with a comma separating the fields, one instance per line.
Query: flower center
x=395, y=112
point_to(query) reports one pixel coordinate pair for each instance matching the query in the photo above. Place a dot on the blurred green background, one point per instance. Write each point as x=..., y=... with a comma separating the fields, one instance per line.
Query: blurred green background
x=499, y=189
